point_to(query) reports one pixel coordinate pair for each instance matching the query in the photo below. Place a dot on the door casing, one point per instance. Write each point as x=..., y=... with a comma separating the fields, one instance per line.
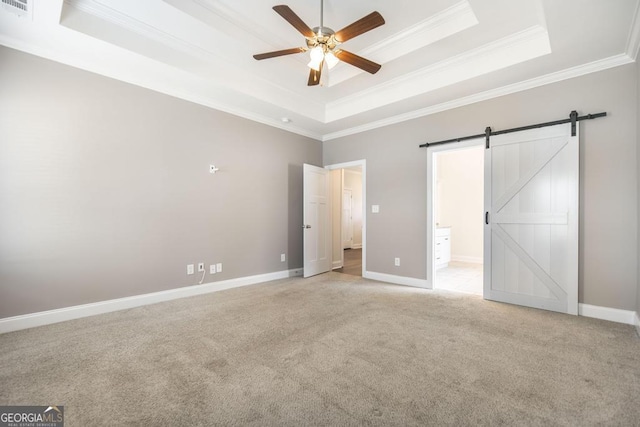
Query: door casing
x=431, y=182
x=363, y=165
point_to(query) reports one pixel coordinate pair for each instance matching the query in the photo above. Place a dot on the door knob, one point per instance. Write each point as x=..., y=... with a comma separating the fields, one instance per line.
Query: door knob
x=306, y=226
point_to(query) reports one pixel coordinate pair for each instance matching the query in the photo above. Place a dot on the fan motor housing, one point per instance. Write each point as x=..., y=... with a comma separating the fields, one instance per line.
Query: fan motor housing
x=323, y=36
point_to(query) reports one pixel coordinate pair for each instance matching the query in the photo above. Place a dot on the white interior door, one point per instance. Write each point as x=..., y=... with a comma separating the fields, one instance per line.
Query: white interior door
x=347, y=219
x=317, y=220
x=531, y=219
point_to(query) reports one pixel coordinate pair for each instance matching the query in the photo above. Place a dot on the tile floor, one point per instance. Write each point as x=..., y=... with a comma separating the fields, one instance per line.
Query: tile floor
x=460, y=277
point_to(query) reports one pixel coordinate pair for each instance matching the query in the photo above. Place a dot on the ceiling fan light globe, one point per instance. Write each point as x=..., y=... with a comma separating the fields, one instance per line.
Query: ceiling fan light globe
x=314, y=65
x=317, y=54
x=331, y=59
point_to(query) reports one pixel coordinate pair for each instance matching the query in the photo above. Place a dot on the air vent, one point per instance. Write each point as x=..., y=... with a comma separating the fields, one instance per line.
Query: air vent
x=21, y=8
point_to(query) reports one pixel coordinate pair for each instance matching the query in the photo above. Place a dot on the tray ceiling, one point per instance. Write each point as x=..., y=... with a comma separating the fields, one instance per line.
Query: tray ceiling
x=435, y=55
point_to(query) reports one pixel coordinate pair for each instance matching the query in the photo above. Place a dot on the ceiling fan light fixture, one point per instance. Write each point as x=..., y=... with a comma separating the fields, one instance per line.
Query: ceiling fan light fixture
x=317, y=54
x=331, y=59
x=314, y=65
x=322, y=43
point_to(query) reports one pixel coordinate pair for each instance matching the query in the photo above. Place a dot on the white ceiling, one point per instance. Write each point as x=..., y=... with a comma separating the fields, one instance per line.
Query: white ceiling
x=435, y=54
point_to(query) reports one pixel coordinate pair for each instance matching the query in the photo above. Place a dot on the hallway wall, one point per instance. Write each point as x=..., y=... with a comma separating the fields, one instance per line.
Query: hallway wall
x=460, y=201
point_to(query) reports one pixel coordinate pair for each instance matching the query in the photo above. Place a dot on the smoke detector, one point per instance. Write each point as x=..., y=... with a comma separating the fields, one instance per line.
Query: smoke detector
x=22, y=8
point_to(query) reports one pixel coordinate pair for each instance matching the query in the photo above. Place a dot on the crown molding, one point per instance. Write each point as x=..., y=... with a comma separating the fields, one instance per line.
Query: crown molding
x=633, y=40
x=231, y=16
x=129, y=23
x=258, y=87
x=445, y=23
x=447, y=17
x=116, y=73
x=218, y=16
x=519, y=47
x=569, y=73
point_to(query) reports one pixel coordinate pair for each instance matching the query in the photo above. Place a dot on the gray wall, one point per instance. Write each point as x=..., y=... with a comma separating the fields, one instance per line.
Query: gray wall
x=105, y=193
x=396, y=177
x=638, y=168
x=105, y=190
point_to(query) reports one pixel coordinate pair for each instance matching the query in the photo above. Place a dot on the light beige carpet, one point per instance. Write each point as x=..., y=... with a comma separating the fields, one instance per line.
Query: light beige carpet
x=330, y=350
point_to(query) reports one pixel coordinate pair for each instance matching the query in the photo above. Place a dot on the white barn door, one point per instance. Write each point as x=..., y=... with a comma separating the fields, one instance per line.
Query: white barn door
x=531, y=219
x=317, y=220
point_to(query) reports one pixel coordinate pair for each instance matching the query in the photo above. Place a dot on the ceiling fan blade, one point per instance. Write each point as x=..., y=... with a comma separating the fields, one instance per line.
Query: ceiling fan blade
x=293, y=19
x=314, y=76
x=368, y=23
x=357, y=61
x=279, y=53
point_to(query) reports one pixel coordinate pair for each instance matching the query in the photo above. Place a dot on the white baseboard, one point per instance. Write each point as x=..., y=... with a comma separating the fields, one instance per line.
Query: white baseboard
x=470, y=259
x=398, y=280
x=336, y=264
x=606, y=313
x=32, y=320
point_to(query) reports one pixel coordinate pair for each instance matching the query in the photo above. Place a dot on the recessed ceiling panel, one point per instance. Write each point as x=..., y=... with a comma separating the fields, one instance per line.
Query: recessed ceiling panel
x=432, y=52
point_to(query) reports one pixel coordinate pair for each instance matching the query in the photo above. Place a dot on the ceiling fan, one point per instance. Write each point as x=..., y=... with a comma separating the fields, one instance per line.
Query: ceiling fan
x=323, y=42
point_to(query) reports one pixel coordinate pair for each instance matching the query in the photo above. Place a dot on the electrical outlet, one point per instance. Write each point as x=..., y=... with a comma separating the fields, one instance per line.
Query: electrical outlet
x=283, y=257
x=200, y=267
x=375, y=208
x=219, y=267
x=397, y=262
x=190, y=269
x=212, y=269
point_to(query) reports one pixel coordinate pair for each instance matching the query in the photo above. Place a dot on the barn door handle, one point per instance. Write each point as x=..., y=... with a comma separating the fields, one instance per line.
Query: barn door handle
x=486, y=218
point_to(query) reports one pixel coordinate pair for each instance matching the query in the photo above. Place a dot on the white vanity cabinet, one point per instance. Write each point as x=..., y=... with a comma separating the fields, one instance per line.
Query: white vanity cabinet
x=443, y=247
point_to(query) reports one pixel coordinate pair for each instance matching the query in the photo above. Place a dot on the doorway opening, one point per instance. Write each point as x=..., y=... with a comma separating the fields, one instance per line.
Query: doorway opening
x=458, y=208
x=348, y=217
